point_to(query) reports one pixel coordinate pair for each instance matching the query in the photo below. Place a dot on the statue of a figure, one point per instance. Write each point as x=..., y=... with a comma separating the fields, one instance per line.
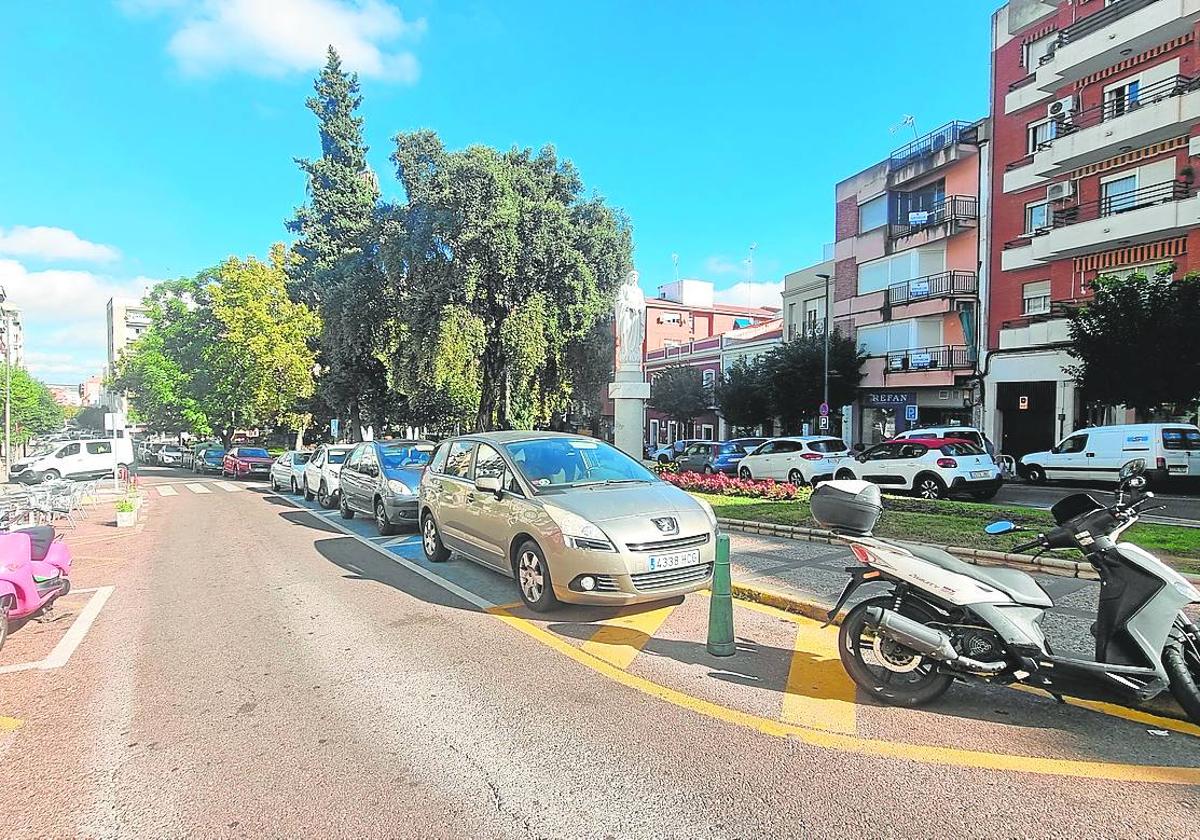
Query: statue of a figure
x=631, y=306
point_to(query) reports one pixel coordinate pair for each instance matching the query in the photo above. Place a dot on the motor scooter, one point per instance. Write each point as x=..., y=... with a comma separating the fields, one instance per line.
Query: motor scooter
x=944, y=620
x=35, y=569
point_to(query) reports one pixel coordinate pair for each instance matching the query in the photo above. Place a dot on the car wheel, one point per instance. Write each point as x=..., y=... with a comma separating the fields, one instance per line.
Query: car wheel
x=708, y=470
x=51, y=475
x=796, y=477
x=274, y=485
x=308, y=493
x=295, y=488
x=324, y=497
x=533, y=578
x=431, y=541
x=844, y=475
x=1035, y=474
x=930, y=487
x=744, y=474
x=344, y=509
x=382, y=524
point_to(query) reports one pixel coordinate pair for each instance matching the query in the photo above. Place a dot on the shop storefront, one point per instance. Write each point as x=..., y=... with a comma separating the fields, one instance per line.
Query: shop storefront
x=884, y=414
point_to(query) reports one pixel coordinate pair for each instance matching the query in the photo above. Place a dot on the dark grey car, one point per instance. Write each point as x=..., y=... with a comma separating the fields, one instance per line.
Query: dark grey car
x=695, y=456
x=380, y=479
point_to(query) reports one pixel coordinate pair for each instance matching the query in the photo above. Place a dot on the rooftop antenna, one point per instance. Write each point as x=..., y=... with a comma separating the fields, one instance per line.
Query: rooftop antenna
x=750, y=273
x=675, y=260
x=907, y=120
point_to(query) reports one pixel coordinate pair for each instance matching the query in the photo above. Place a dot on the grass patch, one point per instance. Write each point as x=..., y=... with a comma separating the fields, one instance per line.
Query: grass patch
x=961, y=524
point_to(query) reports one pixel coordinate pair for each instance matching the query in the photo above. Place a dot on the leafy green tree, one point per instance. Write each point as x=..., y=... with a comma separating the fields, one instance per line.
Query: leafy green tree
x=678, y=391
x=504, y=269
x=33, y=408
x=794, y=371
x=743, y=394
x=1137, y=342
x=91, y=417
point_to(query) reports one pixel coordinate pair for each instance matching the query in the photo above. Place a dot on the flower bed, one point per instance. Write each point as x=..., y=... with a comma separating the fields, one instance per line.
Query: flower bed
x=720, y=484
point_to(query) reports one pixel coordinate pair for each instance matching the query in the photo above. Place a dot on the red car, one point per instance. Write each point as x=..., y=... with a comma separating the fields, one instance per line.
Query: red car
x=246, y=462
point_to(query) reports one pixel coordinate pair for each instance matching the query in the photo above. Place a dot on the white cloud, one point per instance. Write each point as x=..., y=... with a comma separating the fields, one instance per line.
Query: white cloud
x=63, y=314
x=750, y=294
x=717, y=266
x=277, y=37
x=53, y=243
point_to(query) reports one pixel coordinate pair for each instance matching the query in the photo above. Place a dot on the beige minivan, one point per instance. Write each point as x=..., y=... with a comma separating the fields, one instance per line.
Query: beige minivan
x=569, y=517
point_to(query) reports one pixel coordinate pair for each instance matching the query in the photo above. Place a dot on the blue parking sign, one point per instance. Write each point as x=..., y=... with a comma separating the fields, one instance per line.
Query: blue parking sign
x=910, y=413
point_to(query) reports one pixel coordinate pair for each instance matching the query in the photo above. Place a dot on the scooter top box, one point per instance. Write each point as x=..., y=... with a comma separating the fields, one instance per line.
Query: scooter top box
x=849, y=507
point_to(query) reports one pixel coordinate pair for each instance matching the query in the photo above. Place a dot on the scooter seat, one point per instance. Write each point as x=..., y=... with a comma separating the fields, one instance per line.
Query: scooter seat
x=1013, y=582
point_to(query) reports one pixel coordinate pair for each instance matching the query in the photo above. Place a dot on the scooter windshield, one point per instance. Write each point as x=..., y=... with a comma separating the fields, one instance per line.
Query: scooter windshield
x=1070, y=507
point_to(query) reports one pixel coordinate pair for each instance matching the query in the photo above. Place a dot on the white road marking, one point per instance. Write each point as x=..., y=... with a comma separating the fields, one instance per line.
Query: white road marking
x=67, y=644
x=225, y=485
x=166, y=490
x=197, y=488
x=438, y=580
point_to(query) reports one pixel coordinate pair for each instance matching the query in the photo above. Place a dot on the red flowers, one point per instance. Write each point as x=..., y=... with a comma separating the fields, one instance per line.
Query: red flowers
x=720, y=484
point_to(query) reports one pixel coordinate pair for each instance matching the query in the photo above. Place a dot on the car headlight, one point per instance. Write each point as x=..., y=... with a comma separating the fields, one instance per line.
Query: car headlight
x=709, y=512
x=399, y=487
x=577, y=532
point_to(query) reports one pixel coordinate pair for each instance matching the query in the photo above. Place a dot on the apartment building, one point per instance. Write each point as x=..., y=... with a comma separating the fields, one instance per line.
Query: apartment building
x=10, y=322
x=127, y=319
x=907, y=281
x=804, y=299
x=1096, y=114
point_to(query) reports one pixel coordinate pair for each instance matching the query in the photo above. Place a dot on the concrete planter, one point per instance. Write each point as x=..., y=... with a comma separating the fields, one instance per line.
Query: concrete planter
x=126, y=518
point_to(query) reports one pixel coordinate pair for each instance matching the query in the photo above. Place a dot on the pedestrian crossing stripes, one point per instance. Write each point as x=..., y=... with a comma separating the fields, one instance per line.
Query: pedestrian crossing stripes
x=166, y=490
x=201, y=488
x=197, y=488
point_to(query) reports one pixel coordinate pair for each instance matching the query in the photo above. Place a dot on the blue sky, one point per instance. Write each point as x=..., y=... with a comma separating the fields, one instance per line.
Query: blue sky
x=145, y=139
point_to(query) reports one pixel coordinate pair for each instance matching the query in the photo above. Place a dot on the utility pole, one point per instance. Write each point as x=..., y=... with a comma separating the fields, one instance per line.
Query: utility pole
x=7, y=386
x=826, y=278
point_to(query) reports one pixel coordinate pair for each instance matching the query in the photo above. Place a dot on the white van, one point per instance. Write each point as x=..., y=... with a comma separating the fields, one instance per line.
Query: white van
x=78, y=459
x=1171, y=450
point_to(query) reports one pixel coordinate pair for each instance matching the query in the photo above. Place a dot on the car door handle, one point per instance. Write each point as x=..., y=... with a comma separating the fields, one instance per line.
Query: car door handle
x=1091, y=454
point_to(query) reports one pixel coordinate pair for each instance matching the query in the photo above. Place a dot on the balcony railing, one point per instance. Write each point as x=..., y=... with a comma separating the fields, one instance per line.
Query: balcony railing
x=1022, y=82
x=950, y=357
x=1018, y=163
x=945, y=284
x=1095, y=22
x=931, y=143
x=1122, y=203
x=952, y=208
x=1127, y=104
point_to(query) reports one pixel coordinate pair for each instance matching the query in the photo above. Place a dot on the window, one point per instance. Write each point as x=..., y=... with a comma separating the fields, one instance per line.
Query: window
x=1150, y=270
x=707, y=432
x=403, y=455
x=336, y=456
x=458, y=461
x=1075, y=443
x=1039, y=133
x=355, y=459
x=814, y=315
x=369, y=465
x=710, y=377
x=1121, y=98
x=873, y=214
x=828, y=445
x=1116, y=194
x=1037, y=216
x=549, y=462
x=99, y=448
x=437, y=464
x=1035, y=50
x=69, y=450
x=877, y=275
x=1036, y=297
x=883, y=452
x=928, y=199
x=490, y=464
x=912, y=450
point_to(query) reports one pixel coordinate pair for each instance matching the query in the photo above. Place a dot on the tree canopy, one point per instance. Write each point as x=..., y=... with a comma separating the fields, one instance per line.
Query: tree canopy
x=1137, y=342
x=678, y=391
x=33, y=408
x=795, y=371
x=743, y=395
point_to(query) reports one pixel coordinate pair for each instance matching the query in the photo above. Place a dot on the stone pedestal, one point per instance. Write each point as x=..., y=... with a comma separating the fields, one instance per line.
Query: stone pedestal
x=629, y=394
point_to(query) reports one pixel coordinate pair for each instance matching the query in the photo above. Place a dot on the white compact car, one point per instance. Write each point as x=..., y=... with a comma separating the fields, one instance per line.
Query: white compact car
x=1171, y=450
x=967, y=433
x=321, y=474
x=932, y=468
x=800, y=460
x=288, y=470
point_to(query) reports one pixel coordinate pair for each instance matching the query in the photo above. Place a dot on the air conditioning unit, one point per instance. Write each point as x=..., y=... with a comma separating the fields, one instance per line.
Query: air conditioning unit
x=1060, y=191
x=1061, y=109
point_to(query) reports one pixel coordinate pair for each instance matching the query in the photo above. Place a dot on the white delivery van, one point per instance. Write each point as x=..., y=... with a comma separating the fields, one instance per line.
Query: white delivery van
x=77, y=459
x=1171, y=450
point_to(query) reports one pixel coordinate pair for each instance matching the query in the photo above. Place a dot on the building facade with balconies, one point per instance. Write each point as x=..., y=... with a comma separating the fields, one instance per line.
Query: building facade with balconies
x=1096, y=112
x=804, y=300
x=907, y=281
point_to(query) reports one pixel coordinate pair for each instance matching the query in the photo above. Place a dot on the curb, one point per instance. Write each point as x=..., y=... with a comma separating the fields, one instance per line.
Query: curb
x=975, y=556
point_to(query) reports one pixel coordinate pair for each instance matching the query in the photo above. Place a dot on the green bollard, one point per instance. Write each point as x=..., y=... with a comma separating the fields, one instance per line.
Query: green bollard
x=720, y=606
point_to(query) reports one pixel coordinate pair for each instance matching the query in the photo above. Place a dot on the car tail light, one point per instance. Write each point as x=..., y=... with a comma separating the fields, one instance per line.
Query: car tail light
x=812, y=456
x=861, y=554
x=947, y=463
x=1161, y=462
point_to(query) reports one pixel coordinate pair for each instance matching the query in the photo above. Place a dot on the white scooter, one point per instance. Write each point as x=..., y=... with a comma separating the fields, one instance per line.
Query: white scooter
x=943, y=619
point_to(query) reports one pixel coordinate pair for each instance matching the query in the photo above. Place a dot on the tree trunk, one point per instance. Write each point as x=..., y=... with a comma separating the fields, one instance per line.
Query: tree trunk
x=227, y=438
x=303, y=427
x=485, y=419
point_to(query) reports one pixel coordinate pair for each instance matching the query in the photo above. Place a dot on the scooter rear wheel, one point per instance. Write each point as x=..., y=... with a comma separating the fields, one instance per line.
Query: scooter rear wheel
x=1185, y=679
x=3, y=626
x=911, y=681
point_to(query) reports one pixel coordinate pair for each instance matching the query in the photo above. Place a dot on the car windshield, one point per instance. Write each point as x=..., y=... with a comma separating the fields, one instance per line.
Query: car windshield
x=303, y=457
x=960, y=448
x=214, y=453
x=337, y=456
x=252, y=453
x=729, y=449
x=401, y=455
x=573, y=462
x=827, y=445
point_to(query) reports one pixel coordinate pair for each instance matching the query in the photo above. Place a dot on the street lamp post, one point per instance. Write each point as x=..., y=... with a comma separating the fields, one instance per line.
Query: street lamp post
x=826, y=278
x=7, y=386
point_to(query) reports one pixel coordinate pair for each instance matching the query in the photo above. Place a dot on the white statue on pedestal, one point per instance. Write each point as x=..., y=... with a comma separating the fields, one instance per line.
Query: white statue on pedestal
x=631, y=329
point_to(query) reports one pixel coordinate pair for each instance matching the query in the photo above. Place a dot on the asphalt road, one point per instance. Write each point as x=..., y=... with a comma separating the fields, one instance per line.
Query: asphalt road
x=258, y=672
x=1182, y=508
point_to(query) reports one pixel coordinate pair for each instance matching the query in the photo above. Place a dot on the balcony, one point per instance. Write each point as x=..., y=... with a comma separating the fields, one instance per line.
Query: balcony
x=1018, y=254
x=947, y=284
x=1023, y=93
x=1157, y=112
x=1142, y=215
x=936, y=149
x=1105, y=38
x=945, y=218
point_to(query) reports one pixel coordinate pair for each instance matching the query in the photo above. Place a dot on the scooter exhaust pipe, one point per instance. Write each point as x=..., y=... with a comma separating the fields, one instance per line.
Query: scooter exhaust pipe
x=925, y=640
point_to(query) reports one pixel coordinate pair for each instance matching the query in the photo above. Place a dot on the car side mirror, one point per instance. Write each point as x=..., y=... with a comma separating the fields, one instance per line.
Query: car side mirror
x=489, y=484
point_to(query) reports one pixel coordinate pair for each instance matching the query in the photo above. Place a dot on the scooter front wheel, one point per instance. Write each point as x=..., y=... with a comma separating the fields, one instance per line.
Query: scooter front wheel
x=884, y=669
x=1183, y=668
x=3, y=626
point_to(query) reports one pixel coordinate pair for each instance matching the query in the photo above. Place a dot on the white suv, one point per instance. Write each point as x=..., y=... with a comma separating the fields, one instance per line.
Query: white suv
x=800, y=460
x=933, y=468
x=322, y=473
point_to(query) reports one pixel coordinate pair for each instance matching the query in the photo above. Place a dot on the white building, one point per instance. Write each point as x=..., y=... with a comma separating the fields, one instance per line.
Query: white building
x=12, y=317
x=127, y=320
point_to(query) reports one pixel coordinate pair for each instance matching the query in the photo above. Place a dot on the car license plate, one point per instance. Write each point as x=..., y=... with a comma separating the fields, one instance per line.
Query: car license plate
x=675, y=560
x=1180, y=468
x=980, y=474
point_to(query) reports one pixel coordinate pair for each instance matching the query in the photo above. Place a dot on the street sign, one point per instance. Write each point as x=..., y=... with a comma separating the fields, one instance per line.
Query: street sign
x=910, y=413
x=824, y=424
x=806, y=429
x=824, y=409
x=1023, y=403
x=333, y=428
x=113, y=421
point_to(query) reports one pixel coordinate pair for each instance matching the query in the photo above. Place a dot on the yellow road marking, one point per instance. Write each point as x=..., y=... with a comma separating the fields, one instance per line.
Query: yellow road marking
x=1135, y=715
x=620, y=639
x=920, y=753
x=7, y=724
x=819, y=693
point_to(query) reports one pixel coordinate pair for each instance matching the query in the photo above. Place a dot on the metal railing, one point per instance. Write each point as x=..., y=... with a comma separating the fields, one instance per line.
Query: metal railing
x=1095, y=22
x=952, y=208
x=1163, y=193
x=933, y=142
x=1017, y=164
x=1019, y=242
x=1022, y=82
x=944, y=284
x=948, y=357
x=1127, y=104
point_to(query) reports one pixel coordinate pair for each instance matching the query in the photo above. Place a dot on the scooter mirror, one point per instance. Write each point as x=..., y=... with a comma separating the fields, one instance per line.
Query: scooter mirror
x=1134, y=468
x=1001, y=527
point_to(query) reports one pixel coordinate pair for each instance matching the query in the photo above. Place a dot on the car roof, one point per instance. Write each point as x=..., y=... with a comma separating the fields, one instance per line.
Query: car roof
x=807, y=438
x=927, y=429
x=930, y=442
x=514, y=435
x=339, y=447
x=406, y=442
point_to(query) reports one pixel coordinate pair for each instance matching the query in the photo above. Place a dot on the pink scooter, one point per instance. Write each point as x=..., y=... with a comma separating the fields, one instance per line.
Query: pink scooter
x=34, y=572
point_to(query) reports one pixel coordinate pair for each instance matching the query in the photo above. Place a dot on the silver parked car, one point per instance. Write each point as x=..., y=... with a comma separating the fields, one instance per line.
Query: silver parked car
x=570, y=517
x=380, y=479
x=287, y=473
